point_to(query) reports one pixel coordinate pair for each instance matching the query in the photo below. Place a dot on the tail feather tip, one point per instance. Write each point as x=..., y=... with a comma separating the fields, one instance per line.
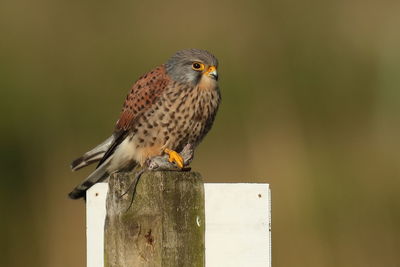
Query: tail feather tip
x=76, y=194
x=75, y=164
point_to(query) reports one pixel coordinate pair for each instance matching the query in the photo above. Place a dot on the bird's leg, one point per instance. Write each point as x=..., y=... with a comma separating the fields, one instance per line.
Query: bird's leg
x=187, y=154
x=163, y=162
x=174, y=157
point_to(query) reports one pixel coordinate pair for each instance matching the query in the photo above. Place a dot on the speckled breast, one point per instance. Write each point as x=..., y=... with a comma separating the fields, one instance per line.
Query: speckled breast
x=181, y=115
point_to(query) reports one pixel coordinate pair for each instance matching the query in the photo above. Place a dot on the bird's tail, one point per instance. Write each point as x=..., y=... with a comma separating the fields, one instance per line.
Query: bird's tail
x=97, y=176
x=93, y=155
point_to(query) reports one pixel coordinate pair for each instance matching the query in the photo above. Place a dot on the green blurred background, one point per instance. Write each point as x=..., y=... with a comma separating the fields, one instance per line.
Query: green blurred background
x=311, y=105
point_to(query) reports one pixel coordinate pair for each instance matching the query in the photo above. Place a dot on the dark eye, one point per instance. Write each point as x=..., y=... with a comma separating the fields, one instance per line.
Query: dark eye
x=198, y=66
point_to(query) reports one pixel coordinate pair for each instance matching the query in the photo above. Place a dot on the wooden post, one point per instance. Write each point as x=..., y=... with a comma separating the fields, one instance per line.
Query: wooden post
x=163, y=227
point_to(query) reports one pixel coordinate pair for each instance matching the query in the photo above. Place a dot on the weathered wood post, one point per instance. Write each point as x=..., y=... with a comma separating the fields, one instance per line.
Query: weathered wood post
x=165, y=226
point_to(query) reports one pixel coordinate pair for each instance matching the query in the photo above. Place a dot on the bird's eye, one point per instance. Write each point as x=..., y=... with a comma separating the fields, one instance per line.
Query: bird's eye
x=198, y=66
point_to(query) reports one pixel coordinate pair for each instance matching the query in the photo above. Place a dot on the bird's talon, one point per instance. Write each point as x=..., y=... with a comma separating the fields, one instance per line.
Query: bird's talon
x=174, y=157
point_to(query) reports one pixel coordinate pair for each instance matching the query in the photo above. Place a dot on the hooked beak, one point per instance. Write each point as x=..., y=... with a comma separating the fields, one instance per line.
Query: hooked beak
x=212, y=73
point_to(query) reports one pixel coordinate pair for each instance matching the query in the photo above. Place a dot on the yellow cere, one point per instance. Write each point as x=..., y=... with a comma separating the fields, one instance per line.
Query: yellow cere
x=211, y=69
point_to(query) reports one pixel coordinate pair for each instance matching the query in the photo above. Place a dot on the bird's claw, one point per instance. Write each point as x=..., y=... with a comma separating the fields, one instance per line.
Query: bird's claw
x=174, y=157
x=163, y=162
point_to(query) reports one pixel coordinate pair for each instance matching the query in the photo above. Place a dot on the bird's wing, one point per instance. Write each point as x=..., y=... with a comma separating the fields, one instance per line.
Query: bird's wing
x=142, y=96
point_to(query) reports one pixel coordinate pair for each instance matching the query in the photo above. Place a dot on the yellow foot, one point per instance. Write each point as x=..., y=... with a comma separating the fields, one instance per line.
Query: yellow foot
x=174, y=157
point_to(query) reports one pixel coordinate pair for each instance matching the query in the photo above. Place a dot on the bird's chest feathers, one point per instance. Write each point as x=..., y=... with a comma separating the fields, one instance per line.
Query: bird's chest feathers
x=196, y=103
x=206, y=103
x=180, y=117
x=207, y=84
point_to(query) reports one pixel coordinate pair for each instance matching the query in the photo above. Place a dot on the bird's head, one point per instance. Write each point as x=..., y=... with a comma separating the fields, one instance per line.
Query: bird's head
x=193, y=66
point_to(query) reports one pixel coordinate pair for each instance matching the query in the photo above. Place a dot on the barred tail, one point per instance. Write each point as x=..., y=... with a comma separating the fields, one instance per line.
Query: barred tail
x=93, y=155
x=98, y=175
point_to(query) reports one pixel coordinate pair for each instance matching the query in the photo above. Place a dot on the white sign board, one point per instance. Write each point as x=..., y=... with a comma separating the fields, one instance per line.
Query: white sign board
x=95, y=220
x=238, y=224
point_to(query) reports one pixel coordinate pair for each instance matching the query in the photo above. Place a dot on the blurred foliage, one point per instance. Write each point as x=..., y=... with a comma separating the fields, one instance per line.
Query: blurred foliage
x=311, y=105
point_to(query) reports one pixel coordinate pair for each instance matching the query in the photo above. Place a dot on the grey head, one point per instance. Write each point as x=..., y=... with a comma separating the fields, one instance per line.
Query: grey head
x=189, y=65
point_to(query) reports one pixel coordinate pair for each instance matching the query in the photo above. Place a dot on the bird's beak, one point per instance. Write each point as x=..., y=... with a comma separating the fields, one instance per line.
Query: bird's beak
x=212, y=73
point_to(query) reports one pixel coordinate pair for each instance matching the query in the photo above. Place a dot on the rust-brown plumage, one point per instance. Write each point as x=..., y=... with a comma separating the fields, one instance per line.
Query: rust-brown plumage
x=142, y=96
x=171, y=106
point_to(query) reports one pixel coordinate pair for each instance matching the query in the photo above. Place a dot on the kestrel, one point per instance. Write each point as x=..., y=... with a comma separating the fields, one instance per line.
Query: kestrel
x=167, y=108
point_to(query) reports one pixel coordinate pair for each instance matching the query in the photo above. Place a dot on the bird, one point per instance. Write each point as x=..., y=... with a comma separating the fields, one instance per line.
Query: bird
x=169, y=107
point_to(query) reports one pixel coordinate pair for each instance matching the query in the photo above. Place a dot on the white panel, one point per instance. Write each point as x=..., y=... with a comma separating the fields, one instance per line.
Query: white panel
x=237, y=225
x=95, y=218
